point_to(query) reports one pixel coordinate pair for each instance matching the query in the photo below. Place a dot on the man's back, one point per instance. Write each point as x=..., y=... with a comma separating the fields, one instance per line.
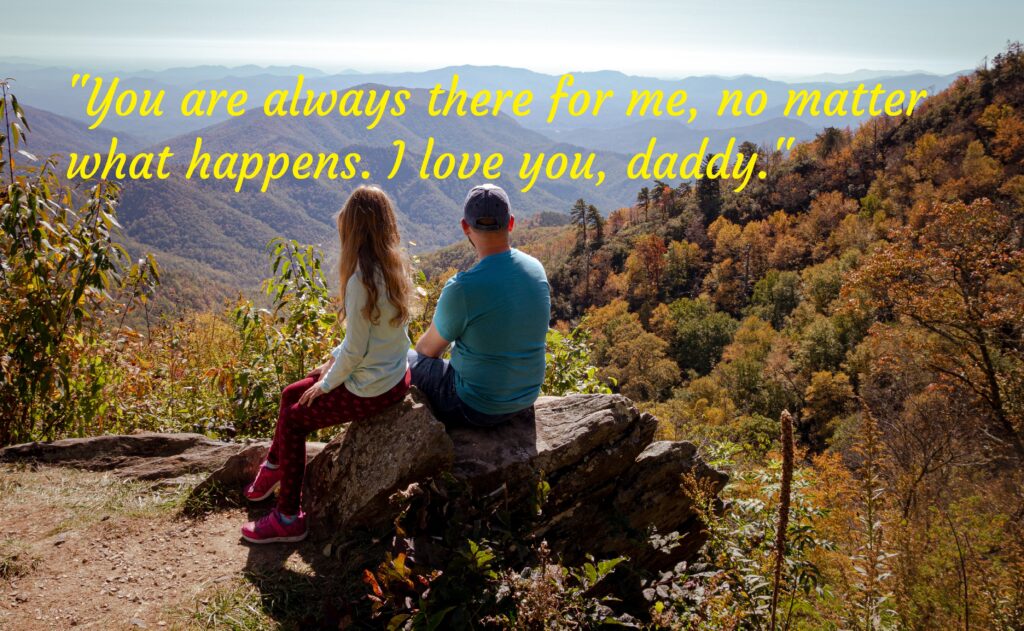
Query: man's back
x=498, y=314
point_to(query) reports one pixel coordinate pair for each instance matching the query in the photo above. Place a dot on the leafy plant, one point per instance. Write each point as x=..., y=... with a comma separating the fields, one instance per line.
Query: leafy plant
x=731, y=585
x=62, y=274
x=871, y=610
x=568, y=367
x=278, y=345
x=551, y=596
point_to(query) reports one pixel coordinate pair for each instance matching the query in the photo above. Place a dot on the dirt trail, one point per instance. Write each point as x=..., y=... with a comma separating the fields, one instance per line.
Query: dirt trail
x=81, y=550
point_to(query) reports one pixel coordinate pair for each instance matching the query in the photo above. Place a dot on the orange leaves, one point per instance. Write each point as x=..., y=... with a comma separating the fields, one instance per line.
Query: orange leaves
x=955, y=283
x=376, y=592
x=953, y=268
x=396, y=588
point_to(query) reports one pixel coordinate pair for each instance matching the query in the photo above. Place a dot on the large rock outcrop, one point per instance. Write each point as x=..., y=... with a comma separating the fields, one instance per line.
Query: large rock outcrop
x=610, y=485
x=351, y=482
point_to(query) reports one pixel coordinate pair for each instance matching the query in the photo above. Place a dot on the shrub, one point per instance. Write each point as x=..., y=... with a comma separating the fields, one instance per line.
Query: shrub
x=62, y=275
x=568, y=368
x=280, y=345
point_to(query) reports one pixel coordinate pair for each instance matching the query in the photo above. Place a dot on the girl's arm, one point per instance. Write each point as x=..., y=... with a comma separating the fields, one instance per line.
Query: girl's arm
x=356, y=344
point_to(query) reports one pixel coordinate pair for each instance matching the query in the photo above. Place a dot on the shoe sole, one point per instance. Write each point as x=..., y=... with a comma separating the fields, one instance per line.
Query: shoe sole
x=276, y=486
x=293, y=539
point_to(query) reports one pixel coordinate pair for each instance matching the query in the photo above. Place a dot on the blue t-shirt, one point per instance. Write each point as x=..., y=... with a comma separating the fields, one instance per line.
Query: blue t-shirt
x=497, y=313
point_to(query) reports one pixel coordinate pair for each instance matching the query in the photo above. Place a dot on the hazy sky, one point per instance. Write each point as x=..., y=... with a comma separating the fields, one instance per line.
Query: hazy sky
x=669, y=38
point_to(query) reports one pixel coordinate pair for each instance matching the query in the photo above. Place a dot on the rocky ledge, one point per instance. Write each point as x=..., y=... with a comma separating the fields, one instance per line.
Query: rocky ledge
x=609, y=485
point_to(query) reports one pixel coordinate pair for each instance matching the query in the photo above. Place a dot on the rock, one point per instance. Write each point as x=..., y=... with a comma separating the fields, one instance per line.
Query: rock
x=350, y=483
x=145, y=455
x=575, y=442
x=222, y=485
x=239, y=470
x=647, y=498
x=611, y=487
x=149, y=455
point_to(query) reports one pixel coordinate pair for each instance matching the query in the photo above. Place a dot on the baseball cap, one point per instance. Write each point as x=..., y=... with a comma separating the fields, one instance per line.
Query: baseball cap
x=487, y=208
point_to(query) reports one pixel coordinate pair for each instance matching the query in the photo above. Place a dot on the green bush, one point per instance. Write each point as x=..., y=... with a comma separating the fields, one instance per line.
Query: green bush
x=568, y=368
x=282, y=344
x=64, y=281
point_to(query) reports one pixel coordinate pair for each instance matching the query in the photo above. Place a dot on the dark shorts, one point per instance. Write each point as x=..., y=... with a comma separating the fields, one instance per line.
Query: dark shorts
x=435, y=378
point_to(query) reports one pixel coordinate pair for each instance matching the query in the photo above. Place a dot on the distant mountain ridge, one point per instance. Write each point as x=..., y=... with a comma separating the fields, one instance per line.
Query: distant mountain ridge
x=52, y=133
x=674, y=134
x=48, y=87
x=224, y=232
x=209, y=231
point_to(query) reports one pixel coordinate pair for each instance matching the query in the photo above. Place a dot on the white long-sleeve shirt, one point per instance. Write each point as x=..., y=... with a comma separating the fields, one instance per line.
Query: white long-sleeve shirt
x=372, y=358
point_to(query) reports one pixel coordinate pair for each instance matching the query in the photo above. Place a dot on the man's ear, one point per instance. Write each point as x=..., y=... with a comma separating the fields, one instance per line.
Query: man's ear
x=511, y=222
x=465, y=227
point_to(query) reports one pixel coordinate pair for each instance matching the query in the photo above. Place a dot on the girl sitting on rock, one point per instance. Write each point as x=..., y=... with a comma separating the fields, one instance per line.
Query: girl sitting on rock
x=365, y=375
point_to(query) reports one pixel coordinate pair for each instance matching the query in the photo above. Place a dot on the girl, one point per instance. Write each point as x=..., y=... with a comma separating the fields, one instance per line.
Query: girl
x=365, y=375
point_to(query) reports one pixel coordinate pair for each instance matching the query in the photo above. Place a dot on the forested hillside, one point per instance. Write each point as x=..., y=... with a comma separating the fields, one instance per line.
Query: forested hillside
x=873, y=286
x=223, y=232
x=815, y=252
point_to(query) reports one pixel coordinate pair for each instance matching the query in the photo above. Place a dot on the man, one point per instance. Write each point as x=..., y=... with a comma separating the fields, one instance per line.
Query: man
x=497, y=316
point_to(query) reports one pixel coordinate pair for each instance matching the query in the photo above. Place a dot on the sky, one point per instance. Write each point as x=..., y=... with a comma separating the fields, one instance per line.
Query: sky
x=665, y=38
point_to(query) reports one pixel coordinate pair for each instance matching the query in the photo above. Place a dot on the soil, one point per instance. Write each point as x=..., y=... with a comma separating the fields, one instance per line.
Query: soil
x=96, y=552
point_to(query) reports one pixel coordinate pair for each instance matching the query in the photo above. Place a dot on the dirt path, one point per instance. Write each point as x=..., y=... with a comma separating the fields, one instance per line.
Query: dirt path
x=81, y=550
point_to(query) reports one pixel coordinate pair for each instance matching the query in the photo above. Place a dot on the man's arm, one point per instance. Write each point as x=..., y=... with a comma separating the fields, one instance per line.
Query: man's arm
x=431, y=344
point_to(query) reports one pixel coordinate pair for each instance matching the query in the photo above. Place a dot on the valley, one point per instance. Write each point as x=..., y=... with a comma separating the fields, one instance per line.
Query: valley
x=217, y=229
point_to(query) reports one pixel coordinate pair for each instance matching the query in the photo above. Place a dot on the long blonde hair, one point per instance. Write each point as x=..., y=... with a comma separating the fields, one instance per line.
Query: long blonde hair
x=369, y=237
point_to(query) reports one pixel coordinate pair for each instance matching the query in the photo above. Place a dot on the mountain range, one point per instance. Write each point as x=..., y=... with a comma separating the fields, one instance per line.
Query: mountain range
x=48, y=87
x=208, y=230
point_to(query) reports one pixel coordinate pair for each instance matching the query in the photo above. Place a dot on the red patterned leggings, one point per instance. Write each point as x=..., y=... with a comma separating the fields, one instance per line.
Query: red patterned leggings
x=295, y=422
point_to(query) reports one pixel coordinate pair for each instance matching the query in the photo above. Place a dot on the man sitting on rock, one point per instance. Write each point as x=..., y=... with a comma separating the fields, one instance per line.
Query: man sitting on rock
x=497, y=316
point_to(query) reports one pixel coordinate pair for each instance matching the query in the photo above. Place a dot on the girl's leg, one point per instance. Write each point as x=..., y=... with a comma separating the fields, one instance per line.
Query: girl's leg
x=293, y=427
x=297, y=421
x=289, y=397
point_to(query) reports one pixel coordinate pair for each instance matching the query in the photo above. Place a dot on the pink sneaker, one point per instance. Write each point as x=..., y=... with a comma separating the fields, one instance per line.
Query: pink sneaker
x=271, y=529
x=266, y=482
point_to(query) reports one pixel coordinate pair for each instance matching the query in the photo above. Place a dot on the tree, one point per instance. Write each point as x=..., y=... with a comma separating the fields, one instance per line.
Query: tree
x=776, y=295
x=681, y=193
x=643, y=199
x=959, y=279
x=982, y=173
x=657, y=195
x=709, y=195
x=699, y=333
x=749, y=372
x=827, y=398
x=682, y=266
x=579, y=218
x=1007, y=129
x=665, y=196
x=596, y=224
x=645, y=267
x=628, y=354
x=827, y=211
x=829, y=141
